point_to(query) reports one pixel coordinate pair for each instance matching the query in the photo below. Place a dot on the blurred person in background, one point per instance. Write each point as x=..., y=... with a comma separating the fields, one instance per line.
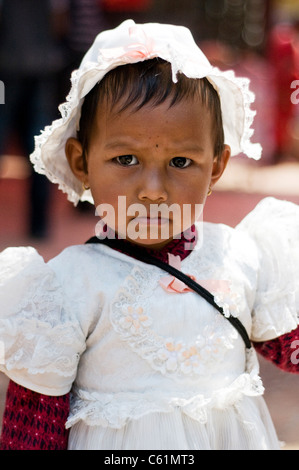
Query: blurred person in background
x=31, y=57
x=85, y=19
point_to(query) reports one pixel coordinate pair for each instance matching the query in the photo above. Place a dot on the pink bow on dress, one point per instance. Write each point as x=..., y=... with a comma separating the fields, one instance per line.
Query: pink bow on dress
x=172, y=284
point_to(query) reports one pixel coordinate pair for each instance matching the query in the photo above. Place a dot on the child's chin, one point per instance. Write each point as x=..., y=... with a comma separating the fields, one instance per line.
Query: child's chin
x=154, y=244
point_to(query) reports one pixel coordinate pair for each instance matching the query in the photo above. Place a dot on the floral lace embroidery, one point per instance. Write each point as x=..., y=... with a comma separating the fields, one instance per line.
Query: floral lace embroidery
x=170, y=356
x=134, y=319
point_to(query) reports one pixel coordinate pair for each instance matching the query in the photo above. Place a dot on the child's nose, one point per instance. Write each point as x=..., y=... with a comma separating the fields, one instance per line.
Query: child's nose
x=152, y=186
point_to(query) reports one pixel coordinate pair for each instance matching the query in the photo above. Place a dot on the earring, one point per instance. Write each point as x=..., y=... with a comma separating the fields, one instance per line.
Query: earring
x=85, y=188
x=210, y=191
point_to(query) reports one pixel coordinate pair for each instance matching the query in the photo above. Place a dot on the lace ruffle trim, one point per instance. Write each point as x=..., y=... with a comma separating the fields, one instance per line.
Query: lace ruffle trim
x=40, y=347
x=251, y=149
x=115, y=410
x=275, y=318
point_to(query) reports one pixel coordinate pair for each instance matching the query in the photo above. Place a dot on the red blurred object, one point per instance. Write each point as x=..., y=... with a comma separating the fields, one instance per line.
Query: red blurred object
x=125, y=5
x=282, y=56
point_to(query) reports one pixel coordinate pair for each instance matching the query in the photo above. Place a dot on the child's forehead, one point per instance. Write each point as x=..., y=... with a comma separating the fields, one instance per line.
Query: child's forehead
x=185, y=124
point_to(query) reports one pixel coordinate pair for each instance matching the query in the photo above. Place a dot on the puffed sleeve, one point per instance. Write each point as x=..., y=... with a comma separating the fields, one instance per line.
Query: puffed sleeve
x=40, y=342
x=274, y=227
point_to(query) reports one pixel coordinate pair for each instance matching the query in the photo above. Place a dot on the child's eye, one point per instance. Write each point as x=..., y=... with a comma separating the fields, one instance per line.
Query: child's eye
x=180, y=162
x=127, y=160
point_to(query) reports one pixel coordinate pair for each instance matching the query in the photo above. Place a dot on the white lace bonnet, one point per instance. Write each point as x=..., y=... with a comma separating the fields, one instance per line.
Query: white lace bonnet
x=130, y=43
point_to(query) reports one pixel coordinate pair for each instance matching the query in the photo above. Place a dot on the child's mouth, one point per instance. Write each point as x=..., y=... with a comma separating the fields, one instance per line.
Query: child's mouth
x=150, y=221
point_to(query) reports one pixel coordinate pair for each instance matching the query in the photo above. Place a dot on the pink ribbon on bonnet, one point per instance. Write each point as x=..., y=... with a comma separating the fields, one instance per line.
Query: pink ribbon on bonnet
x=139, y=50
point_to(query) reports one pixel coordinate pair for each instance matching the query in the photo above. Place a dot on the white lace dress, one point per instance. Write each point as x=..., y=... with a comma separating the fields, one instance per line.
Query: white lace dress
x=150, y=369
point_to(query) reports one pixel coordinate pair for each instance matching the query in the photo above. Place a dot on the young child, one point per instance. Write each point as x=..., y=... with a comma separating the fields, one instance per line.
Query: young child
x=146, y=132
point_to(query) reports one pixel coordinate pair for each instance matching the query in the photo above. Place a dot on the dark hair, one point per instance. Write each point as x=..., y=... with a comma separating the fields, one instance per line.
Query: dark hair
x=145, y=82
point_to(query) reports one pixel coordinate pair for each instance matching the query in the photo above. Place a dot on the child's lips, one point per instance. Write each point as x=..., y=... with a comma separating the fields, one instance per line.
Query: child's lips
x=152, y=220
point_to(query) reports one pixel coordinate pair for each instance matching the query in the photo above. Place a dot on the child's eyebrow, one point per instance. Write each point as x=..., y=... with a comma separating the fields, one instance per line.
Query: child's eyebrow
x=122, y=143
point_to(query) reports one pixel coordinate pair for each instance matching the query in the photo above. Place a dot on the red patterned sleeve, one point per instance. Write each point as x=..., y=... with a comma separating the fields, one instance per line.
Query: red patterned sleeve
x=32, y=421
x=282, y=351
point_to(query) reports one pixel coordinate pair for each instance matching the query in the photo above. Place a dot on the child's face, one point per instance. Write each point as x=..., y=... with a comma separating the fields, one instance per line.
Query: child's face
x=152, y=156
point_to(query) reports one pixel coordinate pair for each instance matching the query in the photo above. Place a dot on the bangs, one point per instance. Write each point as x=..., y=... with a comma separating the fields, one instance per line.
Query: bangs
x=136, y=85
x=149, y=82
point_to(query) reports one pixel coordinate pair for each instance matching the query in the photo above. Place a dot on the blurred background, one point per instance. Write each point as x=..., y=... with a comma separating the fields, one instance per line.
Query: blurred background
x=42, y=41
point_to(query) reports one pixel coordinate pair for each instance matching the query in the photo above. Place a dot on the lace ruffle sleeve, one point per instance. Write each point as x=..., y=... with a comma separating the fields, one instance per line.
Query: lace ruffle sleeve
x=274, y=227
x=40, y=343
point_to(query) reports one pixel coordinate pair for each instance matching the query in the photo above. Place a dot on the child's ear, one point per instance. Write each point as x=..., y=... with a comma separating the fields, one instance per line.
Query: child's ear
x=219, y=164
x=74, y=155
